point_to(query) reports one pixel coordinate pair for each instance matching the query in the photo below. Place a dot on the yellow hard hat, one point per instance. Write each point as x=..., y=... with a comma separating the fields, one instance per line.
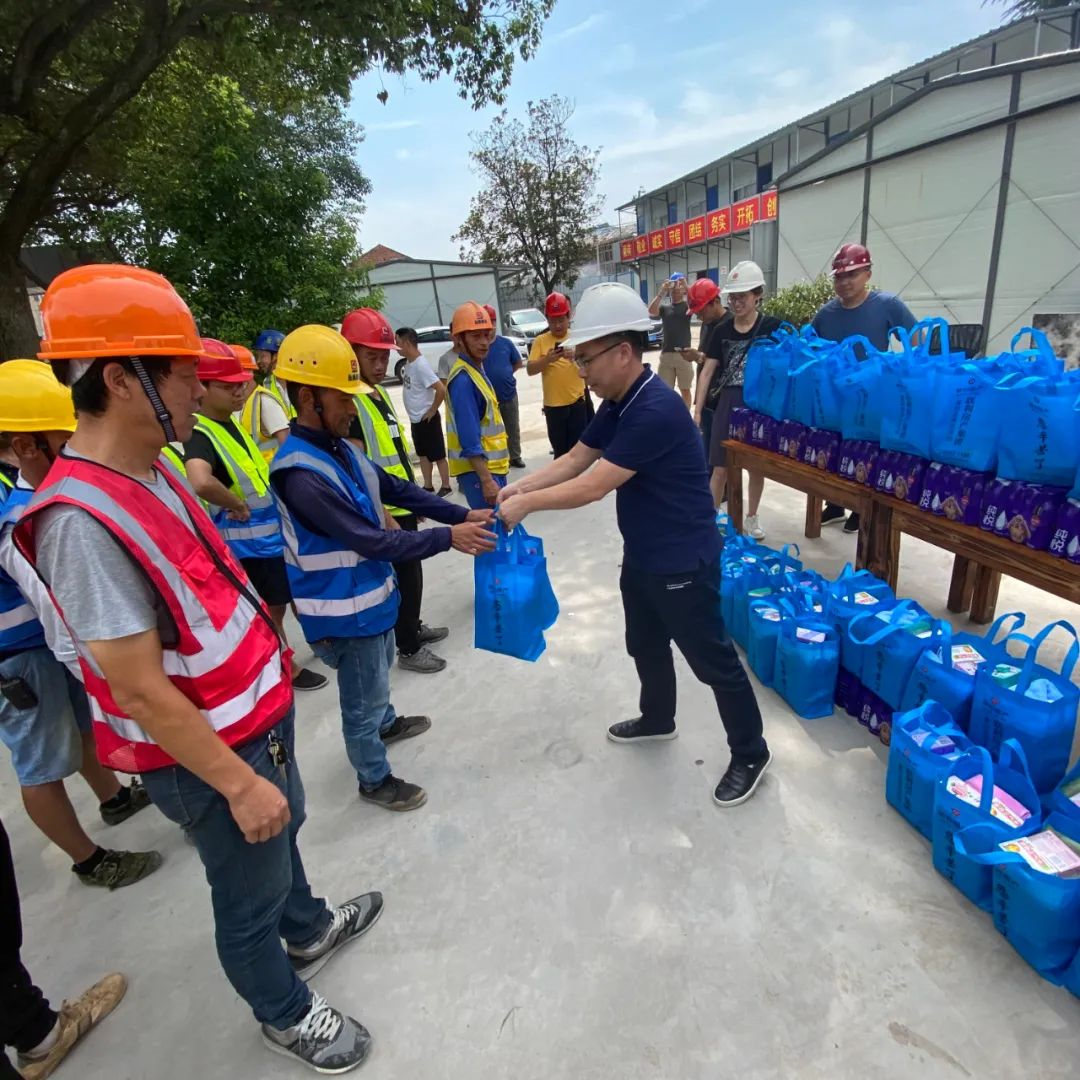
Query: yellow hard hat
x=32, y=400
x=319, y=356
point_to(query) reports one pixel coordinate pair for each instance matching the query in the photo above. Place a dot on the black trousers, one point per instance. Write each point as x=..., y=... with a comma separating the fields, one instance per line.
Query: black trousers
x=685, y=608
x=410, y=577
x=565, y=423
x=25, y=1016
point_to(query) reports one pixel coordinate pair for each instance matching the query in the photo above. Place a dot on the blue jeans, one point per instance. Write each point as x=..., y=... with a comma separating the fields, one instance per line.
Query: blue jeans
x=469, y=486
x=363, y=670
x=260, y=892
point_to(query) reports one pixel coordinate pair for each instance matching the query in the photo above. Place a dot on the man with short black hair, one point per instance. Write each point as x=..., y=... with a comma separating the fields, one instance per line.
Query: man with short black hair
x=672, y=306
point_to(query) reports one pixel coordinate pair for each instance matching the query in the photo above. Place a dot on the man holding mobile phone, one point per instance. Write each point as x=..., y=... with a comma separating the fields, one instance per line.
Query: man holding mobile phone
x=565, y=409
x=670, y=304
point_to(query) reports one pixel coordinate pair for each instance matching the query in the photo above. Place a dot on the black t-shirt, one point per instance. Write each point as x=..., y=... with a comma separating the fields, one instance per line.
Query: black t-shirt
x=676, y=320
x=199, y=446
x=730, y=346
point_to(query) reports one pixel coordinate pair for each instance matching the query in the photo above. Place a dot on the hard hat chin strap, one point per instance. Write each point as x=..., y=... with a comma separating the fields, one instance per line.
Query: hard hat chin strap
x=164, y=417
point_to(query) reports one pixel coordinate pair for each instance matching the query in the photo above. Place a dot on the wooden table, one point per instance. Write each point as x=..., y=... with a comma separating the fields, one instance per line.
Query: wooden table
x=980, y=557
x=818, y=486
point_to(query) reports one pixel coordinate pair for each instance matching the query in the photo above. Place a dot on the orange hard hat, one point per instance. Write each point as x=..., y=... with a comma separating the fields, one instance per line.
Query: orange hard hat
x=470, y=316
x=245, y=356
x=115, y=310
x=703, y=292
x=368, y=327
x=556, y=305
x=218, y=363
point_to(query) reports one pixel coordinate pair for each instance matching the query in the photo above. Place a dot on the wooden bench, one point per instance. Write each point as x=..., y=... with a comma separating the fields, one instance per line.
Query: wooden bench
x=980, y=557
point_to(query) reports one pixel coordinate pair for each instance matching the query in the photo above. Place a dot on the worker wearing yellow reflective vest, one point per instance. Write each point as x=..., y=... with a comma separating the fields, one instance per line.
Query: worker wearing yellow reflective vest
x=385, y=443
x=475, y=436
x=340, y=554
x=266, y=413
x=227, y=471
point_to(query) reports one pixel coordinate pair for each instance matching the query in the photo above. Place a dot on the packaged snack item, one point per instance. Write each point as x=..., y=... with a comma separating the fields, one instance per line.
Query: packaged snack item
x=997, y=507
x=1048, y=852
x=1033, y=513
x=822, y=449
x=790, y=437
x=908, y=479
x=962, y=495
x=1065, y=543
x=763, y=431
x=933, y=479
x=848, y=457
x=885, y=470
x=1002, y=805
x=1006, y=674
x=739, y=427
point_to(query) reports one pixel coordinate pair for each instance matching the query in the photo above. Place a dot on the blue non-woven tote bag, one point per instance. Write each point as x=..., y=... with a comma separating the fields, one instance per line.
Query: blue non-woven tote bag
x=781, y=339
x=1043, y=444
x=854, y=593
x=952, y=682
x=858, y=392
x=923, y=743
x=1065, y=798
x=1038, y=913
x=1037, y=707
x=966, y=415
x=763, y=630
x=807, y=662
x=905, y=390
x=514, y=602
x=952, y=815
x=887, y=645
x=773, y=361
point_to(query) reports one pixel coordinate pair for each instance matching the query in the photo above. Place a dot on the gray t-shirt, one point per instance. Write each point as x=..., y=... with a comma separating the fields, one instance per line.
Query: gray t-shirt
x=676, y=320
x=101, y=590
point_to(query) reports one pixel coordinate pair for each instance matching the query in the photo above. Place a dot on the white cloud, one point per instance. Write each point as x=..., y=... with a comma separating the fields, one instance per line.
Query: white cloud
x=579, y=28
x=391, y=125
x=402, y=154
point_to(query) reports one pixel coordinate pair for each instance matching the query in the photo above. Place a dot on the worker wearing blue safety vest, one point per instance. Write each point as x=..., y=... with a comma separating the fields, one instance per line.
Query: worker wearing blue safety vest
x=227, y=471
x=476, y=440
x=266, y=412
x=44, y=712
x=340, y=554
x=385, y=443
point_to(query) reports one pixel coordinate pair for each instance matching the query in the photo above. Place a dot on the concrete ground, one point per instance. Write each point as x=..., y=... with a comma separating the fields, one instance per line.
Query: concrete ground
x=567, y=908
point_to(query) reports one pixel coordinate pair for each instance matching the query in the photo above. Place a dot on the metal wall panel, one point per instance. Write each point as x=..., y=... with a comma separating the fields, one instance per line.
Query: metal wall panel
x=1048, y=84
x=852, y=153
x=814, y=221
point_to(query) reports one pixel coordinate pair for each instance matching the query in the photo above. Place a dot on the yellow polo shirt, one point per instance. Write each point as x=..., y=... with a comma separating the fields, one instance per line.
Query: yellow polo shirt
x=563, y=385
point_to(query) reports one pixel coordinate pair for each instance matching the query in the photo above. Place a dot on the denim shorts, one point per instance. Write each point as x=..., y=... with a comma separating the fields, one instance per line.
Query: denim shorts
x=46, y=741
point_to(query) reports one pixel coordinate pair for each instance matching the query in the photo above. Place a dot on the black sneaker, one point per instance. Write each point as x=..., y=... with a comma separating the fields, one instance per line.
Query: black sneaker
x=137, y=800
x=517, y=463
x=324, y=1040
x=405, y=727
x=347, y=923
x=832, y=514
x=445, y=492
x=395, y=794
x=740, y=781
x=627, y=731
x=121, y=868
x=306, y=679
x=852, y=524
x=430, y=634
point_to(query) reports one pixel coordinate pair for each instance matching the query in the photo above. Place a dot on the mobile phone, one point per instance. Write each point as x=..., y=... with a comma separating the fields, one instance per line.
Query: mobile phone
x=18, y=693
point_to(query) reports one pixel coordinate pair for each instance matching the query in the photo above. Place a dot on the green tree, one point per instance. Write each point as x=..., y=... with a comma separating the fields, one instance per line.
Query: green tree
x=799, y=303
x=75, y=81
x=538, y=199
x=1020, y=9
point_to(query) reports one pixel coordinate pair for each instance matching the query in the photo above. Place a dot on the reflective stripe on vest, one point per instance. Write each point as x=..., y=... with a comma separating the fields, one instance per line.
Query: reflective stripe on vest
x=337, y=592
x=251, y=421
x=226, y=658
x=492, y=431
x=7, y=483
x=260, y=536
x=19, y=625
x=379, y=442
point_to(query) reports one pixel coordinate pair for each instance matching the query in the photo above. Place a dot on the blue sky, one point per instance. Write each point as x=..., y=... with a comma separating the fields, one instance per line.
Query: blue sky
x=659, y=95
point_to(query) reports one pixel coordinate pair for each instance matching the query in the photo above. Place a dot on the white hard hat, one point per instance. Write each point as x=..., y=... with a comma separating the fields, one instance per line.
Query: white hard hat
x=744, y=277
x=608, y=308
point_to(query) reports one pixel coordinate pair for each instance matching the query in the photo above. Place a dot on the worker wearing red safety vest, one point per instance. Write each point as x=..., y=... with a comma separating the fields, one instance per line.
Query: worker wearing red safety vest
x=186, y=674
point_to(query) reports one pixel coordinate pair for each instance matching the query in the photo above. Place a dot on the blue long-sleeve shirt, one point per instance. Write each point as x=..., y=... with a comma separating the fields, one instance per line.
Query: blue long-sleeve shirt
x=469, y=407
x=322, y=509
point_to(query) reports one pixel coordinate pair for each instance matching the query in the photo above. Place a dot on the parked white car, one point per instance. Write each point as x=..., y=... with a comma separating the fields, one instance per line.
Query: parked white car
x=435, y=340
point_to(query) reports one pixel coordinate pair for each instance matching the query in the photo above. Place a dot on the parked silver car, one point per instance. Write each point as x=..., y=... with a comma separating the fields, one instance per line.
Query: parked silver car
x=435, y=340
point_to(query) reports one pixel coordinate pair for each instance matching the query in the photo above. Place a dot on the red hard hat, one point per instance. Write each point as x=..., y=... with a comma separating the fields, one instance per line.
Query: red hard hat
x=850, y=257
x=704, y=291
x=493, y=315
x=219, y=363
x=555, y=305
x=368, y=327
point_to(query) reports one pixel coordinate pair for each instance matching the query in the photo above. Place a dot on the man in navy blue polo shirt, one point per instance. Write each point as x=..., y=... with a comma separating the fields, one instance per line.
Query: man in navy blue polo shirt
x=643, y=445
x=501, y=366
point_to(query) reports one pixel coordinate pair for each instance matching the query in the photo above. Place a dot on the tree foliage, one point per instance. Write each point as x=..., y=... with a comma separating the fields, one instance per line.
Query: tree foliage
x=78, y=78
x=799, y=302
x=1021, y=9
x=538, y=199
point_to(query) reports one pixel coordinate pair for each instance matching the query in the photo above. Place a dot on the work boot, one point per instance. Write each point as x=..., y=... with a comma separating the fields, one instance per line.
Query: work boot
x=306, y=679
x=113, y=812
x=430, y=634
x=405, y=727
x=324, y=1040
x=395, y=794
x=423, y=662
x=627, y=731
x=120, y=868
x=517, y=463
x=75, y=1020
x=347, y=923
x=740, y=782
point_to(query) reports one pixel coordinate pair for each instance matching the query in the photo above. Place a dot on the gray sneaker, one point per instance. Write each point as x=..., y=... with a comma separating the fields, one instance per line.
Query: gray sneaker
x=423, y=661
x=347, y=923
x=325, y=1040
x=430, y=634
x=120, y=868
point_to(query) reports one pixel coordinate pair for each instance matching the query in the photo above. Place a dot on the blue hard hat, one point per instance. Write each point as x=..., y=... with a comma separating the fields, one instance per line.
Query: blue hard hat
x=269, y=341
x=678, y=276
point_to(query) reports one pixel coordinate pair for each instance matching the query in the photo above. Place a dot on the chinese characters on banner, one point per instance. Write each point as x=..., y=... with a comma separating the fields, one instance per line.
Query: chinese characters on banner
x=714, y=225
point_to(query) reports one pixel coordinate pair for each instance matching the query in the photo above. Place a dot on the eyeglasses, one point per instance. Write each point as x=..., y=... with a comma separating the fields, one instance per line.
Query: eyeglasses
x=584, y=364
